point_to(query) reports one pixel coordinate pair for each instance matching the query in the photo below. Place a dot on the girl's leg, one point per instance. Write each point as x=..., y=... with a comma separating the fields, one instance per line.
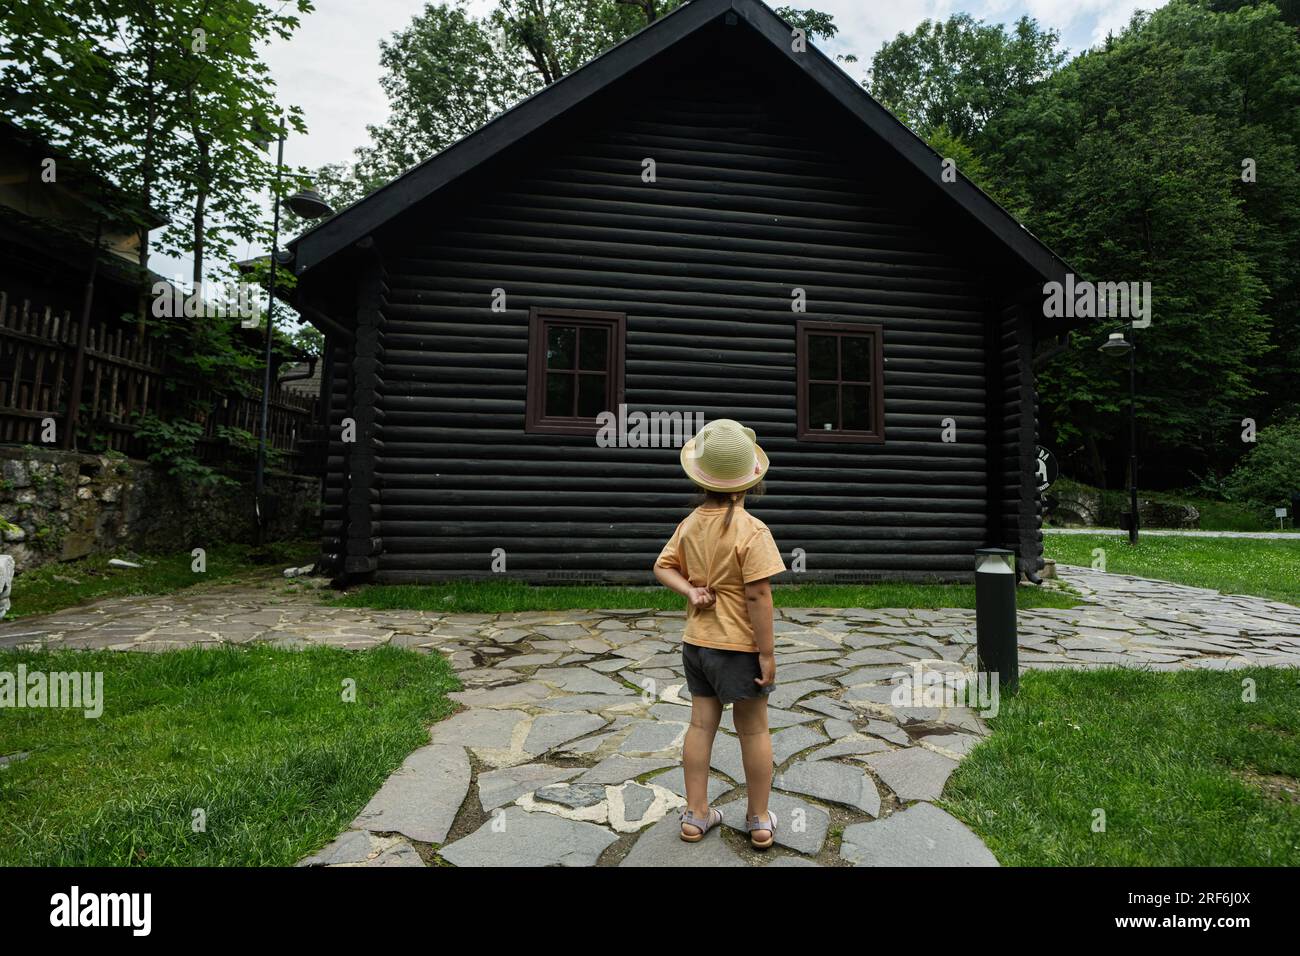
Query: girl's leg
x=706, y=714
x=755, y=753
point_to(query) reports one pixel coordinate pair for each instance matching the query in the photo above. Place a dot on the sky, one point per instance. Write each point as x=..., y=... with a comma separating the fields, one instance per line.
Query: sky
x=330, y=68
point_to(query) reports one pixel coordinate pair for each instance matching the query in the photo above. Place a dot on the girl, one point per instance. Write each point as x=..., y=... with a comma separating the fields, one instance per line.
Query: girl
x=720, y=558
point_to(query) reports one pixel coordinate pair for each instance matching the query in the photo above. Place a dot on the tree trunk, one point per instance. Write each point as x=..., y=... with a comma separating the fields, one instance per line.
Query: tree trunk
x=146, y=181
x=1097, y=462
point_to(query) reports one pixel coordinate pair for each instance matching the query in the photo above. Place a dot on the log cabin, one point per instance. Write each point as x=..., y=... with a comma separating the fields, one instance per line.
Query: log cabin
x=707, y=220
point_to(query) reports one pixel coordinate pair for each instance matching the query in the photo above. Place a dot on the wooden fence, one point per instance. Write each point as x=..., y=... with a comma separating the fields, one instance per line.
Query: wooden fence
x=123, y=376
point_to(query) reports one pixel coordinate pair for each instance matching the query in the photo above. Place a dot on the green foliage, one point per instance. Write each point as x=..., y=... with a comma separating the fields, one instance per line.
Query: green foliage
x=957, y=74
x=1269, y=474
x=308, y=340
x=174, y=447
x=158, y=99
x=814, y=23
x=1128, y=162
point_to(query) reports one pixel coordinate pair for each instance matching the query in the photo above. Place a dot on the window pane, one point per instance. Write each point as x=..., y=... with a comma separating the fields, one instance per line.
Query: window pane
x=593, y=348
x=856, y=359
x=559, y=394
x=823, y=413
x=822, y=361
x=857, y=408
x=561, y=343
x=591, y=395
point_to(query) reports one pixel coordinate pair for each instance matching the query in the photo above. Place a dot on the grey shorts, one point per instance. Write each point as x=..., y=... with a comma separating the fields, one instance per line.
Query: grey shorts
x=726, y=675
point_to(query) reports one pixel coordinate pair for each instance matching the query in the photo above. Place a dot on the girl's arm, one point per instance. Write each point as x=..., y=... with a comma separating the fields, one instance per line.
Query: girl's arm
x=758, y=602
x=672, y=578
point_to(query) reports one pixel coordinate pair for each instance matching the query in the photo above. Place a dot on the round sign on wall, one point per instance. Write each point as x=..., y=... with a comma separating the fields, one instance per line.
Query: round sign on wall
x=1048, y=470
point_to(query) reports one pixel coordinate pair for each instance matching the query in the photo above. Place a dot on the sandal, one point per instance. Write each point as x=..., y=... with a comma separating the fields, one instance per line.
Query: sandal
x=704, y=825
x=754, y=823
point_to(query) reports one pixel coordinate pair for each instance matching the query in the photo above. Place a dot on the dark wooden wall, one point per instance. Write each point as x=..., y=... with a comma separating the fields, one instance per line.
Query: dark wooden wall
x=760, y=188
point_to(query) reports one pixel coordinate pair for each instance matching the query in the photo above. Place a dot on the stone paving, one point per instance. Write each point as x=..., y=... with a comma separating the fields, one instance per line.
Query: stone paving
x=568, y=748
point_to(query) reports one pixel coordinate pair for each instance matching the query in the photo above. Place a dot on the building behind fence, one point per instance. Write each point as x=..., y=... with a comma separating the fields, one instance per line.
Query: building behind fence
x=125, y=375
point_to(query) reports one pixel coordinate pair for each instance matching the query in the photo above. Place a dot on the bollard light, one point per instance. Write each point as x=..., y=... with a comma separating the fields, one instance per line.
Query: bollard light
x=995, y=616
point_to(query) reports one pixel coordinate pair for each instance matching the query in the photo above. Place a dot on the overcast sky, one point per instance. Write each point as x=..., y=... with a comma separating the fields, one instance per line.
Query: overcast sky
x=331, y=66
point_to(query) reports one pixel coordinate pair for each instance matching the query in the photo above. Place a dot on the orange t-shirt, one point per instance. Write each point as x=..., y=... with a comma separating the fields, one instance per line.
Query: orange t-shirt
x=725, y=560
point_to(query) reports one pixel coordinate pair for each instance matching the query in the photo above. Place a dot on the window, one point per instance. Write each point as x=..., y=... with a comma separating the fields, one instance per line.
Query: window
x=840, y=382
x=575, y=369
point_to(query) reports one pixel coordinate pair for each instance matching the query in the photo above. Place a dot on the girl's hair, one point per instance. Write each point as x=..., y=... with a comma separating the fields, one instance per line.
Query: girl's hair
x=705, y=497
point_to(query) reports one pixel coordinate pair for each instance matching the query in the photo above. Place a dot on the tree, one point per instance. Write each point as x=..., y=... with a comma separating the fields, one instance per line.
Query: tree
x=956, y=74
x=161, y=99
x=1130, y=162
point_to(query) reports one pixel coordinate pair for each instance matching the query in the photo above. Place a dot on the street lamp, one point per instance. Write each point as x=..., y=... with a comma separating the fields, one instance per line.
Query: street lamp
x=308, y=204
x=1116, y=346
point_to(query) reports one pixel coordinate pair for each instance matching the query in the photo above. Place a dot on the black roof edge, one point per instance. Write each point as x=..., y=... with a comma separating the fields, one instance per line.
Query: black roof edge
x=417, y=183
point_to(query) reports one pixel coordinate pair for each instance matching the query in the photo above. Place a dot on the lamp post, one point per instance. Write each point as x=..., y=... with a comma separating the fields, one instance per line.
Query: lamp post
x=1117, y=346
x=307, y=204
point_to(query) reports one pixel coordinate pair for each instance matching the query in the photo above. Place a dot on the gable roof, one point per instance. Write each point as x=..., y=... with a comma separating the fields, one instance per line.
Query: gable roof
x=419, y=182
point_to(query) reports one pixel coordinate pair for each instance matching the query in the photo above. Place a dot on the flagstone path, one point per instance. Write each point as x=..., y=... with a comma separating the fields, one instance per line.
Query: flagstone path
x=568, y=749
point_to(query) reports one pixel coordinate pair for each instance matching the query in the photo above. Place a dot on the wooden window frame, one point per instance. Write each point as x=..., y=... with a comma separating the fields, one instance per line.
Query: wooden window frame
x=876, y=332
x=536, y=421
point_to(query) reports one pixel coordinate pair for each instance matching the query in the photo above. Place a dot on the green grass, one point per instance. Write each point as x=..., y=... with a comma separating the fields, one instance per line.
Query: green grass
x=1261, y=566
x=499, y=597
x=57, y=586
x=258, y=738
x=1186, y=772
x=1215, y=515
x=1227, y=516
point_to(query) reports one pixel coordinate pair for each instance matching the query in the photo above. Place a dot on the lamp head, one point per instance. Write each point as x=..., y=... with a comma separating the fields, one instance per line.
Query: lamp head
x=1116, y=345
x=308, y=204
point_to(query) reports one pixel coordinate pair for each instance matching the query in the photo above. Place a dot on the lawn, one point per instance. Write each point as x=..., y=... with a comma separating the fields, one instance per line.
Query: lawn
x=57, y=586
x=1265, y=567
x=259, y=739
x=1186, y=773
x=498, y=597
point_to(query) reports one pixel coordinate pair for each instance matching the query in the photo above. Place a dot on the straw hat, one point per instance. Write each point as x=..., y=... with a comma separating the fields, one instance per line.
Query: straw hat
x=723, y=456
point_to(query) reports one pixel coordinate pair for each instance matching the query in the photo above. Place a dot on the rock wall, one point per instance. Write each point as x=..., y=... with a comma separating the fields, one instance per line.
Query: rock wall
x=1068, y=505
x=63, y=505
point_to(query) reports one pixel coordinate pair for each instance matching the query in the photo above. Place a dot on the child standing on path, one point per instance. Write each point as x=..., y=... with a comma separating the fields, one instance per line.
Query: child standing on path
x=720, y=558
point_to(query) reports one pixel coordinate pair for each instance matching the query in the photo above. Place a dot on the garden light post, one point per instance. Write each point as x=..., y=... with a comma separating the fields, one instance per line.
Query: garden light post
x=307, y=204
x=996, y=651
x=1116, y=345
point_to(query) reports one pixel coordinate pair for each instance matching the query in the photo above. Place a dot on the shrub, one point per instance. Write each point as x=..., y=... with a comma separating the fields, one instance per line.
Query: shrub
x=1269, y=474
